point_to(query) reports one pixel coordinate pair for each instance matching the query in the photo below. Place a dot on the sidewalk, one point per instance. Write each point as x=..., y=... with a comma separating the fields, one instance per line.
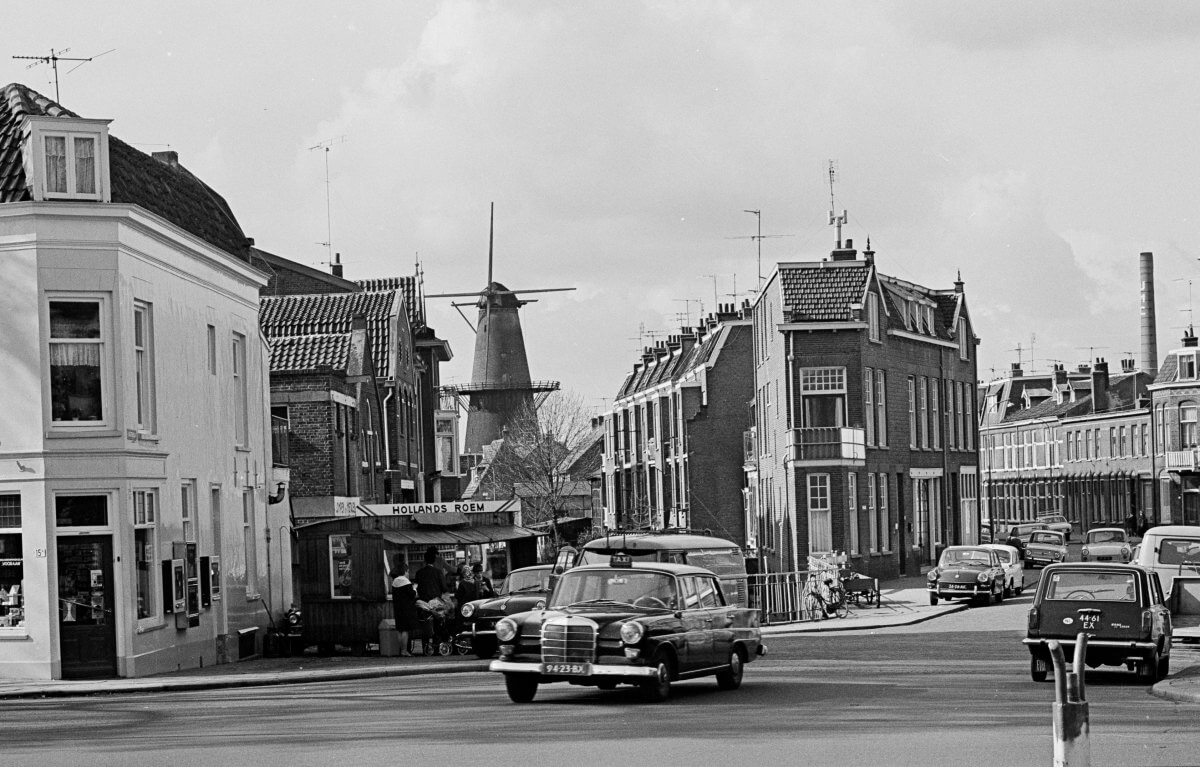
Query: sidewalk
x=903, y=602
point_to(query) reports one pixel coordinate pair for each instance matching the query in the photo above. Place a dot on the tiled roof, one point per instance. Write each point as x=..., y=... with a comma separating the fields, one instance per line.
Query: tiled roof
x=312, y=352
x=169, y=191
x=332, y=313
x=823, y=291
x=1169, y=370
x=407, y=287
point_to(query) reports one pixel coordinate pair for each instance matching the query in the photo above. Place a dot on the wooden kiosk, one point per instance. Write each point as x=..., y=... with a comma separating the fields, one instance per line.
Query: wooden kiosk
x=345, y=563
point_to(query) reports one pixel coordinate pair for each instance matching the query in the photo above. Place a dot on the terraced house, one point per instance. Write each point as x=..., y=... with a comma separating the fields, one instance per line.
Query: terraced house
x=134, y=449
x=864, y=417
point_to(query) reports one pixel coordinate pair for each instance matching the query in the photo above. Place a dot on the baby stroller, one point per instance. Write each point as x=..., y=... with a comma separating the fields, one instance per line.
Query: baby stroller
x=436, y=619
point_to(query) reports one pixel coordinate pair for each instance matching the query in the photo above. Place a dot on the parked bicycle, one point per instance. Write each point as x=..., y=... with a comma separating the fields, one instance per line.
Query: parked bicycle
x=824, y=598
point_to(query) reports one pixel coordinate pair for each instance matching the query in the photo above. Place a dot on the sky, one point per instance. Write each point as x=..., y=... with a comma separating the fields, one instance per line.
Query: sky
x=1034, y=148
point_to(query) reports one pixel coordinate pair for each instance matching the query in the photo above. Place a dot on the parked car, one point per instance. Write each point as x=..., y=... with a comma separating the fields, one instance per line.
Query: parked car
x=1170, y=550
x=1014, y=568
x=524, y=589
x=1120, y=607
x=1106, y=544
x=967, y=572
x=1045, y=547
x=1057, y=522
x=1024, y=530
x=647, y=624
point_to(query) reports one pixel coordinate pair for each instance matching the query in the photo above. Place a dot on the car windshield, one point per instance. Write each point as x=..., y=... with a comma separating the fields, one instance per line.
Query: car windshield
x=965, y=557
x=1092, y=586
x=1106, y=536
x=1051, y=538
x=619, y=585
x=1006, y=556
x=527, y=580
x=1179, y=551
x=1052, y=518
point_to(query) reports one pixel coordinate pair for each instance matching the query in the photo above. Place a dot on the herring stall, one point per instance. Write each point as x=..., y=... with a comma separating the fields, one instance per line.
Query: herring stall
x=345, y=563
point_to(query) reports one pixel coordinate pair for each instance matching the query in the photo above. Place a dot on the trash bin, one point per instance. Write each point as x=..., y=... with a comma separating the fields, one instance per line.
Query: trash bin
x=389, y=638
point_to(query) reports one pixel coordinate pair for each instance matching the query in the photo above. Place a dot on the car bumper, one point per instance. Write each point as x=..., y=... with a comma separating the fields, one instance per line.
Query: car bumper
x=1044, y=559
x=947, y=590
x=596, y=670
x=1133, y=646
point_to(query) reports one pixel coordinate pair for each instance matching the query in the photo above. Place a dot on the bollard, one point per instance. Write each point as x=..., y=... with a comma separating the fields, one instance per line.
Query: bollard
x=1070, y=710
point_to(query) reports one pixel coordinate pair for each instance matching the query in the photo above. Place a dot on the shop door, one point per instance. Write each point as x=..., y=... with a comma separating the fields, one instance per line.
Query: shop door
x=86, y=627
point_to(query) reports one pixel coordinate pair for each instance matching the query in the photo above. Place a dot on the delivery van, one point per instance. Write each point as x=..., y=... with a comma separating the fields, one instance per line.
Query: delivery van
x=1170, y=550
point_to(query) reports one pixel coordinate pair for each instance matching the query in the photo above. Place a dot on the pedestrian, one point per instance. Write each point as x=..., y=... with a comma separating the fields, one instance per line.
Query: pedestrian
x=1143, y=526
x=404, y=605
x=483, y=585
x=1015, y=541
x=1131, y=524
x=431, y=581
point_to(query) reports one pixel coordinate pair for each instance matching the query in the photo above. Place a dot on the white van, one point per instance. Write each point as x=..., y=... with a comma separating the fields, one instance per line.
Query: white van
x=1170, y=550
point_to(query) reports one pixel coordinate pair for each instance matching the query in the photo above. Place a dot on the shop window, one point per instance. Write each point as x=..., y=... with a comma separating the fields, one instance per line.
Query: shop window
x=76, y=354
x=81, y=511
x=12, y=565
x=339, y=567
x=145, y=551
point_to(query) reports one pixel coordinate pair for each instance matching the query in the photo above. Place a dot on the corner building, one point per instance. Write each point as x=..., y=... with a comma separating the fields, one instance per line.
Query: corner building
x=864, y=418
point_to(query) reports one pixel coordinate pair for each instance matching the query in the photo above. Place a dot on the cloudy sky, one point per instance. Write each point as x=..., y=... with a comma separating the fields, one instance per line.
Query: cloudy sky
x=1034, y=147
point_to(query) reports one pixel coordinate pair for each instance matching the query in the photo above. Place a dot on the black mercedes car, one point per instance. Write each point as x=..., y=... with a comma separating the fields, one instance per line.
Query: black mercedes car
x=524, y=589
x=646, y=624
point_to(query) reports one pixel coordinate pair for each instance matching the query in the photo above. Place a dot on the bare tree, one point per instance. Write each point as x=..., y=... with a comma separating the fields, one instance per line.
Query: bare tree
x=534, y=461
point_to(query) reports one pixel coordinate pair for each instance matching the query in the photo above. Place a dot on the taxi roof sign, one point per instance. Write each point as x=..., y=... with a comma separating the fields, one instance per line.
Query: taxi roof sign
x=620, y=559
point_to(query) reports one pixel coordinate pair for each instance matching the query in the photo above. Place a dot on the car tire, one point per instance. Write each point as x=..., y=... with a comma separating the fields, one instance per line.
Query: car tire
x=1164, y=667
x=1039, y=668
x=731, y=677
x=658, y=689
x=1147, y=668
x=521, y=687
x=933, y=600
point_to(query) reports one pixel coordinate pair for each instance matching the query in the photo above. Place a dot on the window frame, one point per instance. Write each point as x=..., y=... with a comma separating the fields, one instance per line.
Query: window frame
x=18, y=531
x=145, y=499
x=104, y=344
x=819, y=501
x=145, y=387
x=241, y=391
x=70, y=130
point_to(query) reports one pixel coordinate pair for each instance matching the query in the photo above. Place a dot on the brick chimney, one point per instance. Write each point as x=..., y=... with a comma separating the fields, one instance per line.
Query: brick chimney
x=847, y=253
x=336, y=266
x=1060, y=376
x=1189, y=339
x=1100, y=386
x=1015, y=370
x=1128, y=366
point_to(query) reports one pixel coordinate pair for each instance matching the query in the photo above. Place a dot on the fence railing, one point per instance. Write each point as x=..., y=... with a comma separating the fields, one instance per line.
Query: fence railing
x=779, y=597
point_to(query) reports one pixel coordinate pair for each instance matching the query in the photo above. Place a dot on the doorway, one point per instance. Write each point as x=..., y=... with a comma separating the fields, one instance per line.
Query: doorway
x=86, y=620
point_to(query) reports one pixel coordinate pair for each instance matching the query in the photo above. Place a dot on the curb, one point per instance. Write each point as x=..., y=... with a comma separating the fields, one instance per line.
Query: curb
x=1188, y=679
x=826, y=627
x=260, y=679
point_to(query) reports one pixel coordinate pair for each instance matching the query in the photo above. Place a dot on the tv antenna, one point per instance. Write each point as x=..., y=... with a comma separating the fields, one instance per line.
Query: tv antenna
x=834, y=218
x=1091, y=351
x=758, y=238
x=57, y=56
x=327, y=145
x=1189, y=303
x=685, y=319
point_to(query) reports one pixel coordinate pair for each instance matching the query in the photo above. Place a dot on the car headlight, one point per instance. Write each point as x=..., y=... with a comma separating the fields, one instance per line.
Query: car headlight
x=933, y=574
x=541, y=605
x=983, y=577
x=468, y=610
x=506, y=630
x=1086, y=552
x=1125, y=551
x=632, y=632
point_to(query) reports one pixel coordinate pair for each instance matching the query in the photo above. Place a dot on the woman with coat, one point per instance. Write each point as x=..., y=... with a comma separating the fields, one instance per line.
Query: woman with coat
x=404, y=605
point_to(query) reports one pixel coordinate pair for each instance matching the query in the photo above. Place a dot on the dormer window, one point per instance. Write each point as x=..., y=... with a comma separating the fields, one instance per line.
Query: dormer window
x=67, y=159
x=1187, y=366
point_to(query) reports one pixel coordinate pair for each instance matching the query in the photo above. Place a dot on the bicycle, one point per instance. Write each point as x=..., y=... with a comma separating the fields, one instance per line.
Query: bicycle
x=824, y=599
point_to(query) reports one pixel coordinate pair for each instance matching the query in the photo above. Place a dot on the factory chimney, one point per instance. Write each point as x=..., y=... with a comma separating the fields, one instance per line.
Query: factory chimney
x=1149, y=356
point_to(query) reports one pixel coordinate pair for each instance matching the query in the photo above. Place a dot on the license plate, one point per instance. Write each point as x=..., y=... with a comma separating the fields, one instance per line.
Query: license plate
x=959, y=586
x=1104, y=559
x=567, y=669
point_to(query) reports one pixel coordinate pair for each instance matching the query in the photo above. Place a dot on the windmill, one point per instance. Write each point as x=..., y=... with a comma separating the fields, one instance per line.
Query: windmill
x=500, y=387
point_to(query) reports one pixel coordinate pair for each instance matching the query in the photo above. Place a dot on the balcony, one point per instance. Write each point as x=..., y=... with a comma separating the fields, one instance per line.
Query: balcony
x=279, y=441
x=831, y=445
x=1183, y=460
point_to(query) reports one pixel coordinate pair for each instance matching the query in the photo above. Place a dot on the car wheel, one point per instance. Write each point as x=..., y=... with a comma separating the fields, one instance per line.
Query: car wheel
x=483, y=648
x=1039, y=667
x=521, y=687
x=1164, y=667
x=658, y=689
x=933, y=600
x=731, y=678
x=1147, y=668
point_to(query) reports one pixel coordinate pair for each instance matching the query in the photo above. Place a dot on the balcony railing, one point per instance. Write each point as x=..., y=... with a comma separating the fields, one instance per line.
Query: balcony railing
x=1183, y=460
x=279, y=441
x=829, y=444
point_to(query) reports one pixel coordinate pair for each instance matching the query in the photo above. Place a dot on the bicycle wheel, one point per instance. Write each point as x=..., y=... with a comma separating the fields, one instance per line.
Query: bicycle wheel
x=837, y=603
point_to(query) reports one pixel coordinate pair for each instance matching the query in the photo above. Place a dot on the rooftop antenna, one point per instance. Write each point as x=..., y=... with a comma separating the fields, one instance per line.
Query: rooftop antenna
x=685, y=319
x=1091, y=351
x=1189, y=303
x=834, y=218
x=1018, y=350
x=716, y=301
x=54, y=58
x=758, y=238
x=326, y=145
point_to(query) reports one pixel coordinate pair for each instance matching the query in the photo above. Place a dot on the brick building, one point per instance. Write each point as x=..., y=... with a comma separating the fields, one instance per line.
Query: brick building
x=1175, y=403
x=673, y=453
x=864, y=406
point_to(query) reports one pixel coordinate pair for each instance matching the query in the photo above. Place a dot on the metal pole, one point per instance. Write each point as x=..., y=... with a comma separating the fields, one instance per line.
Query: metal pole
x=1069, y=712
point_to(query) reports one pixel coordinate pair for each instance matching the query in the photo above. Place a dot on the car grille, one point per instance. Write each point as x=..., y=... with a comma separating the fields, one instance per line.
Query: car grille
x=569, y=640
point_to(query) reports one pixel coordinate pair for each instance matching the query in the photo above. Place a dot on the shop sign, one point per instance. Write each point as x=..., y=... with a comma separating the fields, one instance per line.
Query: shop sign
x=463, y=507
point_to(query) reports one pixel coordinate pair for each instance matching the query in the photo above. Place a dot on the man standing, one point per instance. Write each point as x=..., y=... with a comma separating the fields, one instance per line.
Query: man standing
x=431, y=581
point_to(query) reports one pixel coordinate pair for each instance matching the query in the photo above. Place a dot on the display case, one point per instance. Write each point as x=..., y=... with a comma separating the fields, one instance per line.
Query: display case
x=12, y=575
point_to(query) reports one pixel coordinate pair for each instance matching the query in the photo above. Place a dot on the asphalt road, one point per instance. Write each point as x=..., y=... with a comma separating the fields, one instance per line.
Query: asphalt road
x=954, y=691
